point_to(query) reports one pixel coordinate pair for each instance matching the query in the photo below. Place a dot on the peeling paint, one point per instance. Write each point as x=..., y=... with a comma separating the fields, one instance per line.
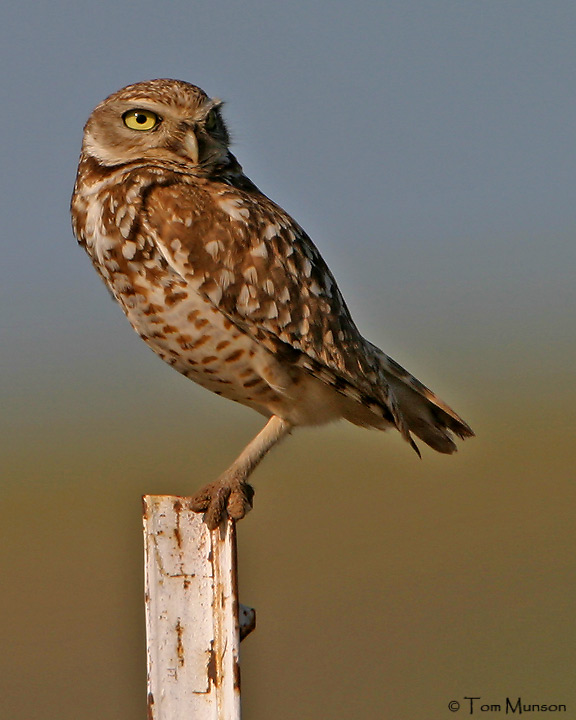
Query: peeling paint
x=212, y=668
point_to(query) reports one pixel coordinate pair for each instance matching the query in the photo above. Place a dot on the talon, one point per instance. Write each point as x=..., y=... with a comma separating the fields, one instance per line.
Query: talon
x=241, y=501
x=221, y=498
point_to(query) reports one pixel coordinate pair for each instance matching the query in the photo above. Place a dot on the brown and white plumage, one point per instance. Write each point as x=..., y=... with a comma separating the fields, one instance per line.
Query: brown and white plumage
x=225, y=286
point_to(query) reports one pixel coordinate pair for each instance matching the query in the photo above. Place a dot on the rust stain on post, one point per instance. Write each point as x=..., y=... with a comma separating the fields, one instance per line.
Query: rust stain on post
x=180, y=644
x=237, y=675
x=177, y=534
x=150, y=711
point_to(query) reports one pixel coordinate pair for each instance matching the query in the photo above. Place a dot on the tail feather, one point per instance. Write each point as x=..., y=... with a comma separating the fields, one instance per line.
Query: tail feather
x=422, y=412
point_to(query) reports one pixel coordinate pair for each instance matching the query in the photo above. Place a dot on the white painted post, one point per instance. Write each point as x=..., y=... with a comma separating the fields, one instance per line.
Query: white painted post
x=192, y=614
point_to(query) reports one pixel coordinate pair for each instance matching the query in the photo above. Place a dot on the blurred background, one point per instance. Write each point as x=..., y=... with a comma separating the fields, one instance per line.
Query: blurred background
x=428, y=149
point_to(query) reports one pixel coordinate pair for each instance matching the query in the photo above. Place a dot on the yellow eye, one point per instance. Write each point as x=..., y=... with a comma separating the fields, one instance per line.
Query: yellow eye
x=211, y=121
x=140, y=119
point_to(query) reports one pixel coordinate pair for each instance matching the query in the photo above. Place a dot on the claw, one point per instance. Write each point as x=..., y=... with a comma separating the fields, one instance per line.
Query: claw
x=240, y=501
x=223, y=498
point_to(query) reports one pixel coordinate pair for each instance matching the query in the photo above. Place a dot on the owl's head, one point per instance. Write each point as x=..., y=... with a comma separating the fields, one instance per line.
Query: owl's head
x=158, y=120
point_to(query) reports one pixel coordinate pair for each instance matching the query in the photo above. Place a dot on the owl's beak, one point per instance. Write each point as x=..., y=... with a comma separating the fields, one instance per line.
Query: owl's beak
x=191, y=146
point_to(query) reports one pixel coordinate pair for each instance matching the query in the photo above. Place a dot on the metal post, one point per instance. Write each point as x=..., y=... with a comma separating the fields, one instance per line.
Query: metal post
x=192, y=614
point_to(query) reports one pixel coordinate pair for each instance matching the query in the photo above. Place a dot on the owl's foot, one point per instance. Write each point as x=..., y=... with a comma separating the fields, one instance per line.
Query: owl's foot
x=221, y=498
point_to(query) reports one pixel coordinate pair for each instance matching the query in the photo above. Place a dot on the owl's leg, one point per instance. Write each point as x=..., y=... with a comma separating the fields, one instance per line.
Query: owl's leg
x=231, y=494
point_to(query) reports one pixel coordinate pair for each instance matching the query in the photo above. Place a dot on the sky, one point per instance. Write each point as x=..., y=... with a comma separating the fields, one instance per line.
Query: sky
x=427, y=148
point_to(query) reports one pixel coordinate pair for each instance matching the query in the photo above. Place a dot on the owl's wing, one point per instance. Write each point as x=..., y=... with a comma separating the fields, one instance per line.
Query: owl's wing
x=258, y=267
x=254, y=263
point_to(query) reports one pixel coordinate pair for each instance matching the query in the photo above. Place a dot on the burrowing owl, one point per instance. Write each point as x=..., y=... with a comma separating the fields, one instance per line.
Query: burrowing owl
x=226, y=287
